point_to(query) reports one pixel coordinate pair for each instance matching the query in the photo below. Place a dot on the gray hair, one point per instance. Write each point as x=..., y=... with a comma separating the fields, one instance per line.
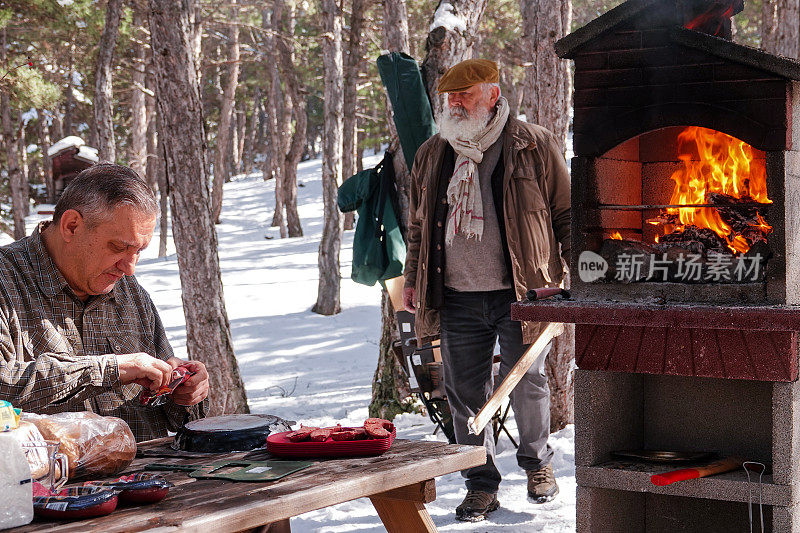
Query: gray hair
x=488, y=87
x=95, y=192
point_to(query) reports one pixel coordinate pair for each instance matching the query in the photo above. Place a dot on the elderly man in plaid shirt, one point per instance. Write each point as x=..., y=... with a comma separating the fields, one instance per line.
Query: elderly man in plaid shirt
x=77, y=332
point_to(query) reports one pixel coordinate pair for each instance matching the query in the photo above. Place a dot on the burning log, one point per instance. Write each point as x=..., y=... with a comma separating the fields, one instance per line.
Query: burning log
x=745, y=220
x=692, y=239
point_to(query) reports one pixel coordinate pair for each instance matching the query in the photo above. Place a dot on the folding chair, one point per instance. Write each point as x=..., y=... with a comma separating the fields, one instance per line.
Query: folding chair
x=425, y=371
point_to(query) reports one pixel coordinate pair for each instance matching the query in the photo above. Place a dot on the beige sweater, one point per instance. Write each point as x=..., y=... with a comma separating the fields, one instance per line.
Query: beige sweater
x=472, y=265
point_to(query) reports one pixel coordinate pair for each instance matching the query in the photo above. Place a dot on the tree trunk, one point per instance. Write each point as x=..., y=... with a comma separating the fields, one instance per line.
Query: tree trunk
x=352, y=61
x=226, y=117
x=15, y=178
x=69, y=97
x=208, y=336
x=163, y=196
x=241, y=135
x=389, y=395
x=47, y=165
x=445, y=47
x=780, y=27
x=10, y=149
x=329, y=272
x=103, y=99
x=251, y=130
x=390, y=386
x=137, y=150
x=24, y=170
x=547, y=82
x=395, y=26
x=295, y=90
x=546, y=100
x=269, y=105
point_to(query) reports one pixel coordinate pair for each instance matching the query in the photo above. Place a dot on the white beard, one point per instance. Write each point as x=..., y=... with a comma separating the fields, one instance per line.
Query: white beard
x=456, y=123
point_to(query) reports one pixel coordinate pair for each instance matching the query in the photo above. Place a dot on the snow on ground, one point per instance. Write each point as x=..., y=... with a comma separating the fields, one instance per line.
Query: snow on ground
x=318, y=370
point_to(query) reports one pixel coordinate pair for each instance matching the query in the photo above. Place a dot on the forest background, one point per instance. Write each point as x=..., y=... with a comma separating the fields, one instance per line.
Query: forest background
x=243, y=86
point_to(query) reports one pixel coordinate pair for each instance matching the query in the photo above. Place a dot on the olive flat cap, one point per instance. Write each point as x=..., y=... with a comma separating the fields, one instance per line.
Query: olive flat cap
x=470, y=72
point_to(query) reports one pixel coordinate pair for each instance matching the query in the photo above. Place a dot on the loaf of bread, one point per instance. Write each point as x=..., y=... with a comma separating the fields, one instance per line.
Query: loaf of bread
x=95, y=445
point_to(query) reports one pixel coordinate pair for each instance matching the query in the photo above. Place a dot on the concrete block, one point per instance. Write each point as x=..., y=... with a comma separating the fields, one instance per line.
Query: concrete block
x=786, y=433
x=732, y=417
x=608, y=414
x=698, y=515
x=609, y=511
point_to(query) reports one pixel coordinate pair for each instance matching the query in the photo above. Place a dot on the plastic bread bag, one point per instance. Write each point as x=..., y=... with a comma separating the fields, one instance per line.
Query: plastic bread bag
x=95, y=445
x=16, y=508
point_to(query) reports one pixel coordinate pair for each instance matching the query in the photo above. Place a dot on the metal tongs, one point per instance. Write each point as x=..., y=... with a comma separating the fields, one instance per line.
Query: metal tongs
x=758, y=468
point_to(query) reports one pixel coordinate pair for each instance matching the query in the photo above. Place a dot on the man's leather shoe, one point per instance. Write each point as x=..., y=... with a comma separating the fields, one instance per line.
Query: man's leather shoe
x=542, y=486
x=476, y=505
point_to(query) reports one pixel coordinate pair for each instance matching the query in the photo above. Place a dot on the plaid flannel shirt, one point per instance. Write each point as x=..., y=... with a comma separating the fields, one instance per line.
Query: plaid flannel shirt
x=58, y=353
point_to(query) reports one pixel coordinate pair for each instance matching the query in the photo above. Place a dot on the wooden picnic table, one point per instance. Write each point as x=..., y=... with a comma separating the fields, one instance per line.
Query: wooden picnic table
x=399, y=483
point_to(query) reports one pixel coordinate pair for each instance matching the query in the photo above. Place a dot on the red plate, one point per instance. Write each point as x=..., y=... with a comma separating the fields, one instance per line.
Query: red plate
x=278, y=444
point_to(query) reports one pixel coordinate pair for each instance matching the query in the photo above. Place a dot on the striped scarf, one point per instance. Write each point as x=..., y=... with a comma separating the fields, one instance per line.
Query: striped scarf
x=464, y=191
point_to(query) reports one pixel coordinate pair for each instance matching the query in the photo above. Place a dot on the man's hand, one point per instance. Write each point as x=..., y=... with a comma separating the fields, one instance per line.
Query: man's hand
x=195, y=389
x=143, y=369
x=409, y=299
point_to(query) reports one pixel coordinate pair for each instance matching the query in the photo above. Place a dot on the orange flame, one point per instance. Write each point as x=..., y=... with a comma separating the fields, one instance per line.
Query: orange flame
x=714, y=162
x=617, y=236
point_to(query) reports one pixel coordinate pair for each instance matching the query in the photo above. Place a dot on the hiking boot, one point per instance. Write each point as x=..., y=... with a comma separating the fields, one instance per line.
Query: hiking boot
x=476, y=506
x=542, y=486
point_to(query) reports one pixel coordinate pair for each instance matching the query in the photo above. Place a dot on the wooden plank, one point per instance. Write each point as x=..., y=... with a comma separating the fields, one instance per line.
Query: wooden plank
x=276, y=527
x=212, y=505
x=394, y=287
x=403, y=517
x=424, y=492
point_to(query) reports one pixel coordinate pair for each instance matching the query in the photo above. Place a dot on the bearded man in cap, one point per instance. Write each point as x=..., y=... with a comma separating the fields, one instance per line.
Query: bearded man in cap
x=489, y=218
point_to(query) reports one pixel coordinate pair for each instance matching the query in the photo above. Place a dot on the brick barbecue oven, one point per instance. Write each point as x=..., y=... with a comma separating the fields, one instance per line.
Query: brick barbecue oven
x=685, y=267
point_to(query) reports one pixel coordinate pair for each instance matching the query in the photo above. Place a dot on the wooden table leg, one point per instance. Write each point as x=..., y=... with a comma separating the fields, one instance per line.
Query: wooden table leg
x=281, y=526
x=403, y=510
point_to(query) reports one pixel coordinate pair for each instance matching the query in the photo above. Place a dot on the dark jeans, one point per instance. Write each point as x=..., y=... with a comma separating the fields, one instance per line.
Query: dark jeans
x=471, y=323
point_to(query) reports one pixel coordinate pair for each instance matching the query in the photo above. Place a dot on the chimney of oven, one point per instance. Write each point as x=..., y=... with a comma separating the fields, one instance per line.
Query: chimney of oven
x=709, y=16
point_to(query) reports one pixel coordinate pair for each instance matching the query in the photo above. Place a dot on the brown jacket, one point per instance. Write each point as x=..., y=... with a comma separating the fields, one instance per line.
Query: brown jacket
x=536, y=196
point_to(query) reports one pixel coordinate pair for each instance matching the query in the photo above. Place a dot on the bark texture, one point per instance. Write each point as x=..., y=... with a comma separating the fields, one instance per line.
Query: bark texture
x=390, y=387
x=395, y=26
x=208, y=336
x=9, y=141
x=352, y=61
x=47, y=165
x=137, y=149
x=296, y=92
x=390, y=395
x=226, y=118
x=328, y=294
x=445, y=47
x=547, y=81
x=546, y=102
x=103, y=98
x=780, y=27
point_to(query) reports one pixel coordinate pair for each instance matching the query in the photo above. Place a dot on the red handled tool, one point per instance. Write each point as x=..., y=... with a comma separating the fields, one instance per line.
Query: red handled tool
x=547, y=292
x=717, y=467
